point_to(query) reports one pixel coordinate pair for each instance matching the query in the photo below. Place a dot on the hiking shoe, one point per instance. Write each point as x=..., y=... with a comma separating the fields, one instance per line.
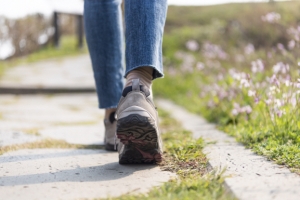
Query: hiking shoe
x=110, y=133
x=137, y=126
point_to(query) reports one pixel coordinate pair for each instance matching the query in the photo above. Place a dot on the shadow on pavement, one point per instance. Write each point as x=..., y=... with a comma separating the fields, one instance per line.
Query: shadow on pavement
x=106, y=172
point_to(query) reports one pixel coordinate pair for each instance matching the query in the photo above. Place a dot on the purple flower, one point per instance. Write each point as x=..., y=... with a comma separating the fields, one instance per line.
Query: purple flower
x=234, y=112
x=192, y=45
x=247, y=109
x=200, y=66
x=213, y=51
x=249, y=49
x=279, y=113
x=280, y=67
x=280, y=47
x=251, y=93
x=271, y=17
x=244, y=83
x=268, y=101
x=291, y=44
x=257, y=66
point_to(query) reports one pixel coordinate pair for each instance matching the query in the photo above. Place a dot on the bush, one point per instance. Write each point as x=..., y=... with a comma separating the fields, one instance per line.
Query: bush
x=30, y=33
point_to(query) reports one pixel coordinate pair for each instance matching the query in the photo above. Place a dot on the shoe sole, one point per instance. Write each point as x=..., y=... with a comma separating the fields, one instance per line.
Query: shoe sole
x=140, y=138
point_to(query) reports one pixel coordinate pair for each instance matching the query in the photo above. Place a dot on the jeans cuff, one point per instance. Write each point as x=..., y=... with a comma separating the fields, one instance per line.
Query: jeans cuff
x=156, y=72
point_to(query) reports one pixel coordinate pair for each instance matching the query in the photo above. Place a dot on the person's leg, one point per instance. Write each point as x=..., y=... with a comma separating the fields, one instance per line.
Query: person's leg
x=104, y=34
x=145, y=22
x=137, y=120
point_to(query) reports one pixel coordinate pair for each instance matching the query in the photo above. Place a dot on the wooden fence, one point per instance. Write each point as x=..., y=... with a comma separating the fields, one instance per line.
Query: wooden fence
x=79, y=28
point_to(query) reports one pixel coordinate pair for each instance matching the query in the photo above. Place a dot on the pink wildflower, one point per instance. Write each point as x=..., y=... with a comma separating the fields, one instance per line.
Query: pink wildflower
x=271, y=17
x=192, y=45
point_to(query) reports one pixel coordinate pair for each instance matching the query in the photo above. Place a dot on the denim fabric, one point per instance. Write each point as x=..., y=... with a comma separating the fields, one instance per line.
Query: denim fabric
x=104, y=34
x=144, y=24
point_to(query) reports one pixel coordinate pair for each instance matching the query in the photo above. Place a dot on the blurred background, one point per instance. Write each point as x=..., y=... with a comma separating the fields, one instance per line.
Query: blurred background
x=28, y=25
x=234, y=62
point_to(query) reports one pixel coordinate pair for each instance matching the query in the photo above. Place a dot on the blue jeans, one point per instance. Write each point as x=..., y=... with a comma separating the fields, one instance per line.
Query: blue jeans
x=144, y=24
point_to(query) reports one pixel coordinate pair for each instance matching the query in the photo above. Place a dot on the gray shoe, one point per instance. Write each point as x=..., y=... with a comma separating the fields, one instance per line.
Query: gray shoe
x=137, y=126
x=110, y=133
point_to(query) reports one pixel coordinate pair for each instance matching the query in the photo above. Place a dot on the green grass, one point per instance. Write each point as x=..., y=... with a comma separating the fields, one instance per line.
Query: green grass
x=183, y=155
x=232, y=24
x=206, y=83
x=229, y=12
x=68, y=47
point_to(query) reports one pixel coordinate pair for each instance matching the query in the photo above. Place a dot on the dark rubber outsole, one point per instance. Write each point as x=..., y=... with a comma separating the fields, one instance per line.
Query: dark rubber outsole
x=140, y=138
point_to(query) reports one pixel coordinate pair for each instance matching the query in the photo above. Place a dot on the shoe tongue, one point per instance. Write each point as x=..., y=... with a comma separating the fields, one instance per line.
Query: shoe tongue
x=112, y=117
x=143, y=89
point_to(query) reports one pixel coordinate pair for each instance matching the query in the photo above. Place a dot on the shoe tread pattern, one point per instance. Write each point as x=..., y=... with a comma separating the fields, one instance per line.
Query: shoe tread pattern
x=139, y=135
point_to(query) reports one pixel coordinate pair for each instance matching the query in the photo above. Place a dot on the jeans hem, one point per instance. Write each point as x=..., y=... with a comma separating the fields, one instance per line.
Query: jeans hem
x=156, y=73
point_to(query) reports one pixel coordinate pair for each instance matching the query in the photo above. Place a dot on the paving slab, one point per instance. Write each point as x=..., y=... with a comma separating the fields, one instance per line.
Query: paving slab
x=87, y=135
x=55, y=73
x=249, y=176
x=73, y=118
x=73, y=174
x=13, y=137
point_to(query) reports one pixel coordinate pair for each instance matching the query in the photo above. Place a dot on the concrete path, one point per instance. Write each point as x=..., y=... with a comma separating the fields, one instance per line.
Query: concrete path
x=249, y=176
x=88, y=173
x=74, y=118
x=67, y=72
x=72, y=174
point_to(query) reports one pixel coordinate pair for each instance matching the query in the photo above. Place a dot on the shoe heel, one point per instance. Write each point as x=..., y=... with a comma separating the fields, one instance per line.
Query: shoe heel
x=134, y=110
x=138, y=134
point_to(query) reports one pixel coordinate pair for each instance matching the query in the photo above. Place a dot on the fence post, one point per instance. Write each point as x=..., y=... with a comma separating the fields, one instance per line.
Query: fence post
x=56, y=29
x=80, y=30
